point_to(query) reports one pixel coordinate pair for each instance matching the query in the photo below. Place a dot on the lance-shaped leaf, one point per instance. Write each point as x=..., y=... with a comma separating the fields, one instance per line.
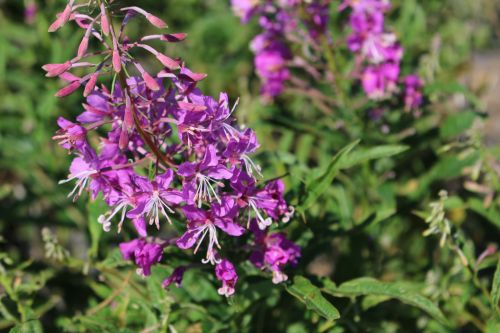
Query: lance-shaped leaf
x=318, y=186
x=94, y=209
x=311, y=296
x=371, y=287
x=495, y=290
x=362, y=155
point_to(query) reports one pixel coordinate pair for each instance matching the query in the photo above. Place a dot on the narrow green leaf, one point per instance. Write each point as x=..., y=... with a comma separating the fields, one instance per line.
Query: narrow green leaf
x=363, y=155
x=493, y=326
x=495, y=289
x=491, y=214
x=30, y=326
x=94, y=209
x=369, y=286
x=318, y=186
x=311, y=296
x=457, y=124
x=453, y=88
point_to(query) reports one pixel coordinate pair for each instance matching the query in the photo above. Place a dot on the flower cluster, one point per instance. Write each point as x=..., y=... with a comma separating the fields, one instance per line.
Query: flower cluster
x=285, y=23
x=280, y=22
x=379, y=52
x=165, y=150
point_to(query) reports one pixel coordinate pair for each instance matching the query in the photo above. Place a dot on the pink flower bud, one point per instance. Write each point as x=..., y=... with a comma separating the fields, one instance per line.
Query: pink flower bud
x=167, y=62
x=186, y=74
x=62, y=18
x=69, y=89
x=56, y=69
x=150, y=81
x=68, y=77
x=173, y=38
x=156, y=21
x=117, y=62
x=123, y=142
x=84, y=44
x=104, y=21
x=89, y=87
x=191, y=107
x=128, y=119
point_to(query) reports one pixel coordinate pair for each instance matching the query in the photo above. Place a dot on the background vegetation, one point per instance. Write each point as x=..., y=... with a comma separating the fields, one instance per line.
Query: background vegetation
x=366, y=266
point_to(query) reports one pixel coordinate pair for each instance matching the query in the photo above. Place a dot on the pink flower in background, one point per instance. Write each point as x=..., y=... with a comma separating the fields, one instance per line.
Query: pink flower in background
x=30, y=11
x=283, y=23
x=413, y=96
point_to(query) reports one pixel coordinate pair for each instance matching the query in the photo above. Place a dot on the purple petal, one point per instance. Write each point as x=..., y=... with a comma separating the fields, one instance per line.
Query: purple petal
x=229, y=227
x=188, y=239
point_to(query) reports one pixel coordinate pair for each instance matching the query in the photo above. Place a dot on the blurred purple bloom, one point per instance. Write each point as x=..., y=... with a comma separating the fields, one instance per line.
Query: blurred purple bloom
x=143, y=253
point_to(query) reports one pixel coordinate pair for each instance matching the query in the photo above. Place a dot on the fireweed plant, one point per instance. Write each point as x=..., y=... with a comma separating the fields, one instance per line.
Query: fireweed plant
x=165, y=152
x=288, y=24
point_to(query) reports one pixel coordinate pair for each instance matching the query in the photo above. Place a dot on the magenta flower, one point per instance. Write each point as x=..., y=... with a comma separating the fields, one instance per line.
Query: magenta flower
x=226, y=273
x=162, y=148
x=155, y=198
x=143, y=253
x=273, y=252
x=413, y=97
x=175, y=277
x=205, y=175
x=205, y=223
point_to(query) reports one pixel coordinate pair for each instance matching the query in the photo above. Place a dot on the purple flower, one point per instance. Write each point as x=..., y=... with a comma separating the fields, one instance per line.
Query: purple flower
x=274, y=252
x=226, y=273
x=413, y=96
x=73, y=136
x=175, y=277
x=380, y=81
x=205, y=175
x=159, y=143
x=377, y=50
x=143, y=253
x=244, y=9
x=30, y=12
x=203, y=223
x=155, y=197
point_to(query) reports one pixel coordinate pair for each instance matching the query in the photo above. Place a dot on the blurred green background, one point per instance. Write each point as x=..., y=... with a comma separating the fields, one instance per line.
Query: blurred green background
x=445, y=40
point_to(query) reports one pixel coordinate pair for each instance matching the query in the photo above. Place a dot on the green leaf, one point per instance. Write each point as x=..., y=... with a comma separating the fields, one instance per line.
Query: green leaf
x=457, y=124
x=311, y=296
x=495, y=289
x=94, y=209
x=453, y=88
x=318, y=186
x=363, y=155
x=491, y=214
x=31, y=326
x=493, y=326
x=369, y=286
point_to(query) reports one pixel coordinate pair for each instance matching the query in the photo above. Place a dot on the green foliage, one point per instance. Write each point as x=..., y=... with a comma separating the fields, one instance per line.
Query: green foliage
x=311, y=296
x=399, y=290
x=362, y=187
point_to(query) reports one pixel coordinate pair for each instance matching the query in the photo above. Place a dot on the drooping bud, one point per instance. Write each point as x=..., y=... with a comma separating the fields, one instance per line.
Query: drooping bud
x=62, y=18
x=69, y=89
x=156, y=21
x=89, y=87
x=117, y=62
x=150, y=81
x=56, y=69
x=167, y=61
x=104, y=21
